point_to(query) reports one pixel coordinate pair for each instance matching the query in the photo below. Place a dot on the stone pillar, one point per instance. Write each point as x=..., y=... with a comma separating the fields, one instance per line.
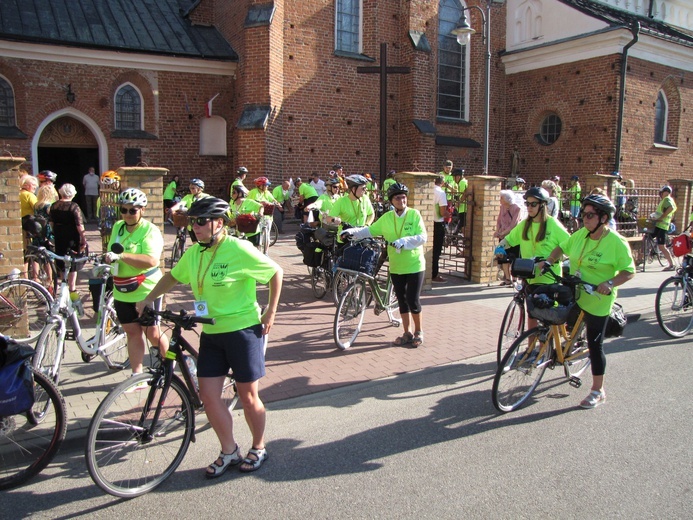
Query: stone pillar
x=485, y=191
x=150, y=181
x=11, y=244
x=683, y=196
x=420, y=197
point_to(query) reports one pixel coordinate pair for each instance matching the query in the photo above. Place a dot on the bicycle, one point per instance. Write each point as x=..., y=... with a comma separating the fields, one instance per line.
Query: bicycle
x=179, y=243
x=109, y=341
x=41, y=268
x=137, y=439
x=30, y=440
x=674, y=301
x=24, y=308
x=365, y=287
x=546, y=346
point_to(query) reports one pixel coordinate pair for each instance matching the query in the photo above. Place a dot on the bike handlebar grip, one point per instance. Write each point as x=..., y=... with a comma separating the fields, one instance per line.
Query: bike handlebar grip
x=206, y=321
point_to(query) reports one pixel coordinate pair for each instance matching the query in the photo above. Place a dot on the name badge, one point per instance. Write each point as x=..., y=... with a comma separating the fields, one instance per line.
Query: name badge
x=201, y=308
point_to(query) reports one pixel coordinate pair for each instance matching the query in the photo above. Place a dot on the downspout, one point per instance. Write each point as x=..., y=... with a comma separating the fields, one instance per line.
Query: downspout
x=635, y=29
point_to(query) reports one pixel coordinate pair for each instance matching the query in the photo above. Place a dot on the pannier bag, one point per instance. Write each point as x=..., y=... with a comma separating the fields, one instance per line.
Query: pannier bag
x=616, y=322
x=312, y=254
x=363, y=257
x=304, y=236
x=16, y=378
x=682, y=245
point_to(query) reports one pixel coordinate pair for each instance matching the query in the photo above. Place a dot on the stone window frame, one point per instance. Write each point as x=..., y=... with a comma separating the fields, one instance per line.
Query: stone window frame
x=449, y=13
x=348, y=25
x=118, y=112
x=8, y=117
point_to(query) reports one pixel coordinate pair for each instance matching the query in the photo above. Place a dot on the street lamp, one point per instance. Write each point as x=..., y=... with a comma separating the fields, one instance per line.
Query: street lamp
x=464, y=32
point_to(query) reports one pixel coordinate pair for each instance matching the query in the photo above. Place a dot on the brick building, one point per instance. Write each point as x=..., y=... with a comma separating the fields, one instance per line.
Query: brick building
x=122, y=82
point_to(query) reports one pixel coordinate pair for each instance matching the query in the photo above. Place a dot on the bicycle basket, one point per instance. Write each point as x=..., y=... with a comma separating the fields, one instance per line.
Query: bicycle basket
x=179, y=219
x=362, y=257
x=268, y=208
x=551, y=304
x=247, y=223
x=645, y=225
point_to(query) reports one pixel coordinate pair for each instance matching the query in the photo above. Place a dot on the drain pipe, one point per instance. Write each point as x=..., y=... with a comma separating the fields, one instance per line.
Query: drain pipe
x=635, y=29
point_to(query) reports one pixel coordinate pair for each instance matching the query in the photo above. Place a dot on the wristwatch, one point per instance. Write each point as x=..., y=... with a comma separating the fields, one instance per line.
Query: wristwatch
x=610, y=283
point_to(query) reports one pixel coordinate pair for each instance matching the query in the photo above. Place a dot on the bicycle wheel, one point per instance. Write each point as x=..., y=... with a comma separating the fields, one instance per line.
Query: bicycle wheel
x=521, y=370
x=349, y=316
x=126, y=455
x=318, y=281
x=274, y=234
x=113, y=341
x=177, y=251
x=340, y=283
x=229, y=393
x=24, y=309
x=29, y=441
x=512, y=327
x=39, y=267
x=264, y=240
x=49, y=351
x=674, y=307
x=392, y=308
x=579, y=350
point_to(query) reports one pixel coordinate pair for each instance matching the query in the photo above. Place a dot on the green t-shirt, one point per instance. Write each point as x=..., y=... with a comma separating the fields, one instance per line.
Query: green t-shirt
x=228, y=284
x=278, y=194
x=386, y=185
x=574, y=195
x=247, y=206
x=353, y=212
x=597, y=261
x=170, y=190
x=188, y=199
x=307, y=191
x=461, y=188
x=391, y=227
x=325, y=203
x=555, y=234
x=146, y=239
x=237, y=181
x=260, y=196
x=666, y=203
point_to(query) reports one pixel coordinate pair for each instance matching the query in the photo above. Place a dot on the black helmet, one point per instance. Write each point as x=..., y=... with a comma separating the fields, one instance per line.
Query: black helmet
x=242, y=170
x=575, y=178
x=600, y=203
x=209, y=207
x=240, y=189
x=356, y=180
x=538, y=193
x=396, y=189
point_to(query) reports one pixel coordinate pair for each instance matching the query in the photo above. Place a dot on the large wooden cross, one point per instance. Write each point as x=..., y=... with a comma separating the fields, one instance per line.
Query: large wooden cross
x=383, y=70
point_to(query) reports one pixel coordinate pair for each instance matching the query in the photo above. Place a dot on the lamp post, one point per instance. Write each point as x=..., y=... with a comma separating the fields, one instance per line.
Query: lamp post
x=464, y=33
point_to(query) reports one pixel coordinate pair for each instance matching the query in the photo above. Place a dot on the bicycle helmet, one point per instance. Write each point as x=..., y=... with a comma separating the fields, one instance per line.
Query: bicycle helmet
x=109, y=178
x=242, y=171
x=356, y=180
x=262, y=181
x=538, y=193
x=211, y=207
x=241, y=190
x=332, y=182
x=396, y=189
x=666, y=187
x=133, y=196
x=391, y=173
x=458, y=172
x=47, y=175
x=297, y=181
x=600, y=203
x=198, y=182
x=519, y=180
x=575, y=178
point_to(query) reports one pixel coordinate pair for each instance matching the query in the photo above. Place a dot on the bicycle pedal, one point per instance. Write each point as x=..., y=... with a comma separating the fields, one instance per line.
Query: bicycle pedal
x=70, y=335
x=575, y=382
x=377, y=311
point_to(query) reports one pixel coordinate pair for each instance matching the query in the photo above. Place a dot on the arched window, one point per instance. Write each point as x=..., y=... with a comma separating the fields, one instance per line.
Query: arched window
x=452, y=63
x=661, y=118
x=348, y=16
x=128, y=108
x=6, y=104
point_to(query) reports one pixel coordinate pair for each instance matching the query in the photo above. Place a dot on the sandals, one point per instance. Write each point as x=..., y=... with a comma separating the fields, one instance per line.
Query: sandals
x=404, y=339
x=227, y=459
x=594, y=399
x=259, y=456
x=418, y=339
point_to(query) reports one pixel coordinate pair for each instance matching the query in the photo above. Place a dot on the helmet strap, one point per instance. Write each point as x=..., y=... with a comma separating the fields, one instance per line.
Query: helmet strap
x=212, y=239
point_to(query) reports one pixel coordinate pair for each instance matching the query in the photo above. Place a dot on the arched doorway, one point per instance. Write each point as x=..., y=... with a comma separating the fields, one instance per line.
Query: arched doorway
x=69, y=148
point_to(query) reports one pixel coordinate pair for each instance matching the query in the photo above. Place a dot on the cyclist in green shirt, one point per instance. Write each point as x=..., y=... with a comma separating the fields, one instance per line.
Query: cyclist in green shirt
x=241, y=174
x=223, y=273
x=405, y=232
x=196, y=188
x=574, y=195
x=242, y=205
x=282, y=195
x=354, y=208
x=326, y=200
x=461, y=184
x=389, y=181
x=306, y=196
x=665, y=211
x=169, y=195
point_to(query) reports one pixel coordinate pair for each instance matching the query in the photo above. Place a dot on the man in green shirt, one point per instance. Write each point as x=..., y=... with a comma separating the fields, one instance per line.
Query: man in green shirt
x=282, y=196
x=306, y=195
x=575, y=195
x=461, y=184
x=448, y=179
x=665, y=211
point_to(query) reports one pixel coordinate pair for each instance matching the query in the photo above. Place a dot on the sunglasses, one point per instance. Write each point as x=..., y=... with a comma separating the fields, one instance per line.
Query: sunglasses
x=200, y=221
x=131, y=211
x=589, y=214
x=532, y=204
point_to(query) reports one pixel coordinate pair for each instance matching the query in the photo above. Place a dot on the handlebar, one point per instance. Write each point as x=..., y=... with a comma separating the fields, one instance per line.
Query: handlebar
x=181, y=319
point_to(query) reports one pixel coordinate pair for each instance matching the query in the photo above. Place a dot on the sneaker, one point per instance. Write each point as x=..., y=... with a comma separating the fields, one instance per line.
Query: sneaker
x=142, y=385
x=669, y=268
x=438, y=279
x=594, y=399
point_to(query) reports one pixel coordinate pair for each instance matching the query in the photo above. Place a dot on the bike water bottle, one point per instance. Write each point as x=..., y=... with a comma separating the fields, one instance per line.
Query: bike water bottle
x=77, y=303
x=192, y=367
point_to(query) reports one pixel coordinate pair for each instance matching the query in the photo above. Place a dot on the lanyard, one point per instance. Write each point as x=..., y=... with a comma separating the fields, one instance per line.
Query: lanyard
x=587, y=239
x=403, y=218
x=358, y=210
x=200, y=281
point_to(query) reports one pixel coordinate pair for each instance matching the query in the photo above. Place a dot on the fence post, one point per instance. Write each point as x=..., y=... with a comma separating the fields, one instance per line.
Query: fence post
x=683, y=197
x=485, y=191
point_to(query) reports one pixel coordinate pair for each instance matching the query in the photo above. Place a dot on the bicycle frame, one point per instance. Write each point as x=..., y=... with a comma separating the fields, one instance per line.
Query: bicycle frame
x=564, y=342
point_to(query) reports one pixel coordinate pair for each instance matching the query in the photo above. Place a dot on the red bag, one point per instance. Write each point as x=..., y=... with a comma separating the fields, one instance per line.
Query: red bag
x=682, y=245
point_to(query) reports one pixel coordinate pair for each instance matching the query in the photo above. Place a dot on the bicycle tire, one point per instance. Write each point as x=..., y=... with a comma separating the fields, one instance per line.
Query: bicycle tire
x=50, y=349
x=274, y=234
x=512, y=327
x=29, y=443
x=23, y=299
x=576, y=367
x=112, y=332
x=348, y=318
x=48, y=280
x=264, y=241
x=674, y=307
x=318, y=282
x=521, y=370
x=176, y=252
x=341, y=282
x=392, y=307
x=119, y=460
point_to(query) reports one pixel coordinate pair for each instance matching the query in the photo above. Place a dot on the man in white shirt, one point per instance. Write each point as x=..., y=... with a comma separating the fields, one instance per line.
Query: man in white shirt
x=440, y=201
x=317, y=183
x=91, y=183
